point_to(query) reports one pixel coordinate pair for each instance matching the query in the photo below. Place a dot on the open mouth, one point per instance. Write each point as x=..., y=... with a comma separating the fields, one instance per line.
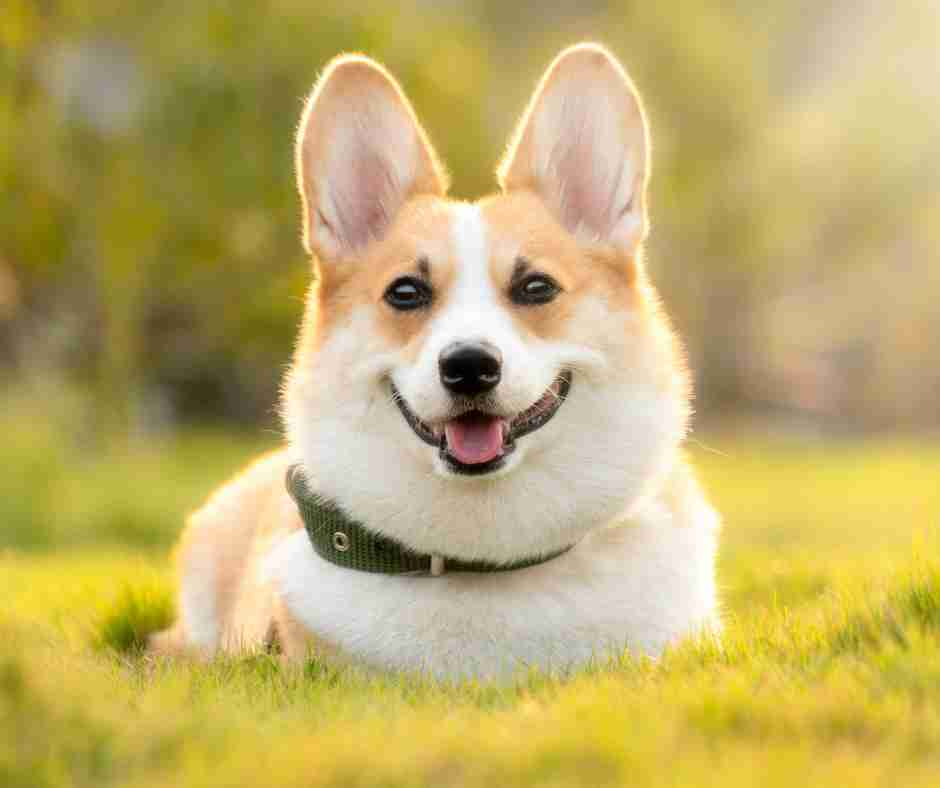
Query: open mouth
x=476, y=442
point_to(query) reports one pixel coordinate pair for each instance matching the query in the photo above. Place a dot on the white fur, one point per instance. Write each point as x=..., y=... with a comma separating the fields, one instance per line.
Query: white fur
x=197, y=600
x=608, y=445
x=473, y=313
x=639, y=585
x=603, y=474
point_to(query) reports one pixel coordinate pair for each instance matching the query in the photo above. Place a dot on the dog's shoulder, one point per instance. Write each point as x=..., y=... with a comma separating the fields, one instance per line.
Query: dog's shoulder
x=684, y=499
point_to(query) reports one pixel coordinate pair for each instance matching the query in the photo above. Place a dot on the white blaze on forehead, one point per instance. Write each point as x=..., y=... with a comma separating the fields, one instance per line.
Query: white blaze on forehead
x=472, y=287
x=474, y=311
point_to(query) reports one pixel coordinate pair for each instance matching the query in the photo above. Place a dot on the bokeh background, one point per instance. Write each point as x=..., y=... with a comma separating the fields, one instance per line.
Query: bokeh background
x=151, y=274
x=151, y=281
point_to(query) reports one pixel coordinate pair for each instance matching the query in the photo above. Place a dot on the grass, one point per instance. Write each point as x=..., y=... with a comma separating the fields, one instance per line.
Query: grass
x=829, y=672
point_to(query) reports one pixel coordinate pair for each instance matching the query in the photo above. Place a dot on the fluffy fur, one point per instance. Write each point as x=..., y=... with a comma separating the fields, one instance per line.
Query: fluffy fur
x=604, y=474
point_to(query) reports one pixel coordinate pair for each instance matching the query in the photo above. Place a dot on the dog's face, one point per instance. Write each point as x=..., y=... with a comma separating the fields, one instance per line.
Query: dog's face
x=488, y=380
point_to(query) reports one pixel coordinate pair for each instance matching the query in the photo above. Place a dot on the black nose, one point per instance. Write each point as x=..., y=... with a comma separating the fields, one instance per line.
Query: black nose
x=470, y=368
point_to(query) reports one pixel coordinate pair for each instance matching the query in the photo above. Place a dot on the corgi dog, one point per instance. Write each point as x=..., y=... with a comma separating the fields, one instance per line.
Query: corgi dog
x=484, y=414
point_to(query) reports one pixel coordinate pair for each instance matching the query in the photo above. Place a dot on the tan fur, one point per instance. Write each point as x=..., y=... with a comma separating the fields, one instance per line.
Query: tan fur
x=419, y=232
x=521, y=226
x=235, y=529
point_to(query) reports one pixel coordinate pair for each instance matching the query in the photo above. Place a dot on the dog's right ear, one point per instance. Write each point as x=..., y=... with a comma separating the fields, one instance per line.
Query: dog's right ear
x=361, y=153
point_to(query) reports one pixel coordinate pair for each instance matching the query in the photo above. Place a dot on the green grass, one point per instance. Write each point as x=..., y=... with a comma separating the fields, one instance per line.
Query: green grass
x=829, y=671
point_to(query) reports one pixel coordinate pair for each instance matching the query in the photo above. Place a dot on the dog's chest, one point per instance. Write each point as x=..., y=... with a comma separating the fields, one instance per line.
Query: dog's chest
x=632, y=586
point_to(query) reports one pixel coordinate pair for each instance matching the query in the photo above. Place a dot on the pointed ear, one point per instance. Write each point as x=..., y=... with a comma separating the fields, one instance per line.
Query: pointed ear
x=582, y=146
x=361, y=153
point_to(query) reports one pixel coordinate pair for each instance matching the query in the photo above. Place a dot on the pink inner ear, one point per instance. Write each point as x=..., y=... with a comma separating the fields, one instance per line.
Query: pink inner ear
x=365, y=194
x=584, y=148
x=587, y=186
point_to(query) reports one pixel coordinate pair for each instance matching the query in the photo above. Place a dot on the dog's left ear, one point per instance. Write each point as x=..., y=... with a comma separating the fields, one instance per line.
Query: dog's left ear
x=583, y=147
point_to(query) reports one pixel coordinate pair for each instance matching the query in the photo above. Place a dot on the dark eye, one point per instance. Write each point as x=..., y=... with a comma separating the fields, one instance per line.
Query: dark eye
x=534, y=289
x=408, y=292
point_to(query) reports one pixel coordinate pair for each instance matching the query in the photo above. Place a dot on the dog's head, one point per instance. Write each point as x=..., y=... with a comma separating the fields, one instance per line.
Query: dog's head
x=486, y=380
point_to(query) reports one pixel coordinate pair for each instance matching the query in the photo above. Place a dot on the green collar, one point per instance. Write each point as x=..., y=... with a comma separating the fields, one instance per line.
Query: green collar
x=349, y=544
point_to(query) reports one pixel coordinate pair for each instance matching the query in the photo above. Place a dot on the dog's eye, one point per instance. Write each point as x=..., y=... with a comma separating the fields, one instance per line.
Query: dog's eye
x=408, y=292
x=534, y=289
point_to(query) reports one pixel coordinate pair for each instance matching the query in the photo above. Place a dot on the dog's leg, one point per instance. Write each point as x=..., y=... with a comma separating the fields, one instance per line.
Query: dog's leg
x=221, y=604
x=167, y=642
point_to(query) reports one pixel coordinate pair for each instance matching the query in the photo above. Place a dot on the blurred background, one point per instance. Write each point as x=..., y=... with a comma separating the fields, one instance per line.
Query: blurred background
x=151, y=274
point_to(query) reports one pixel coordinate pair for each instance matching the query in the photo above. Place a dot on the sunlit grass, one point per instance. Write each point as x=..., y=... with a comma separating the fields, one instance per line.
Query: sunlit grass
x=137, y=613
x=828, y=674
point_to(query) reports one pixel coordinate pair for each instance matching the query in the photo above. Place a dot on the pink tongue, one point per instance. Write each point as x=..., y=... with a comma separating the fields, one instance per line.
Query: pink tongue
x=475, y=439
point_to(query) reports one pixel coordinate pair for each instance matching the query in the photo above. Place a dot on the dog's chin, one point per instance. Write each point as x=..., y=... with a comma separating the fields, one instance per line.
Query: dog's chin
x=477, y=442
